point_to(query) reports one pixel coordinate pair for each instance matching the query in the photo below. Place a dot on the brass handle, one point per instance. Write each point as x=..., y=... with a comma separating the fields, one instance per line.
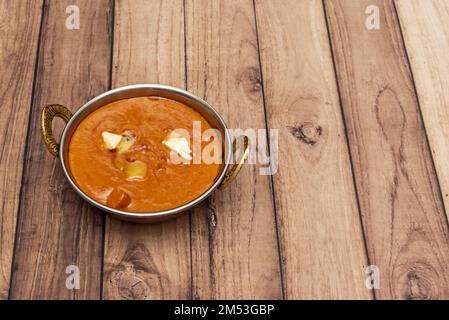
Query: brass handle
x=232, y=174
x=48, y=114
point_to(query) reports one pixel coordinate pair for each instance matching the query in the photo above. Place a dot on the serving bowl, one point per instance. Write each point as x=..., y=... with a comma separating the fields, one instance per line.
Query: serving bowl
x=61, y=149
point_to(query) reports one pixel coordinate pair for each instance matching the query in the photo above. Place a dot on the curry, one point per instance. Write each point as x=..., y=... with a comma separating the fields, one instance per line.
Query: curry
x=130, y=156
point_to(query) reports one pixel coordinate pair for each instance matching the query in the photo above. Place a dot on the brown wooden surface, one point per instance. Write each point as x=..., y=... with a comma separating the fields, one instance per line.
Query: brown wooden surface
x=313, y=187
x=231, y=224
x=362, y=177
x=17, y=62
x=426, y=35
x=148, y=261
x=405, y=223
x=56, y=228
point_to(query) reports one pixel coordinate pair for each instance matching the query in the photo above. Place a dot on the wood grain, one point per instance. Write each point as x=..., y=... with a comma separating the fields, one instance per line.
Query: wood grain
x=322, y=242
x=404, y=219
x=426, y=35
x=148, y=261
x=20, y=23
x=234, y=244
x=56, y=228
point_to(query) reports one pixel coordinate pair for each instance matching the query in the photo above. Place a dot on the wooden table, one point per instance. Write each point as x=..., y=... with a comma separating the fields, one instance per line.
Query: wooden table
x=363, y=120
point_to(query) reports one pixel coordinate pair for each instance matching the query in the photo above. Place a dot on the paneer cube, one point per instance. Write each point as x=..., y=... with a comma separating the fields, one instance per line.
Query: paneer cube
x=136, y=170
x=178, y=144
x=128, y=140
x=111, y=140
x=118, y=199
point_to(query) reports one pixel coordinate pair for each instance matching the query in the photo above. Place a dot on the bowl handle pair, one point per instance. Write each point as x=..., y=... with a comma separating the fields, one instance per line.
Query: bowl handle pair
x=48, y=114
x=56, y=110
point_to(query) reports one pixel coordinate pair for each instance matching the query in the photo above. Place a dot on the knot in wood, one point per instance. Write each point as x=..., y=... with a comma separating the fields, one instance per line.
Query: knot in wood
x=307, y=132
x=251, y=79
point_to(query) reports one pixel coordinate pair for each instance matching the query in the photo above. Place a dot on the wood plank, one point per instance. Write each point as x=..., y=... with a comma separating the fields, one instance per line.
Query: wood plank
x=234, y=244
x=19, y=26
x=56, y=228
x=426, y=35
x=403, y=215
x=322, y=241
x=148, y=261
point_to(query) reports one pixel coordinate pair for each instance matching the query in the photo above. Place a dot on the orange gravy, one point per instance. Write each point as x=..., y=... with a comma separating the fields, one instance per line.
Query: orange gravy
x=101, y=172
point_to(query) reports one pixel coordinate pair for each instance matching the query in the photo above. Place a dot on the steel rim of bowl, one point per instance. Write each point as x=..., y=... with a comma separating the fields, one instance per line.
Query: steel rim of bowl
x=158, y=214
